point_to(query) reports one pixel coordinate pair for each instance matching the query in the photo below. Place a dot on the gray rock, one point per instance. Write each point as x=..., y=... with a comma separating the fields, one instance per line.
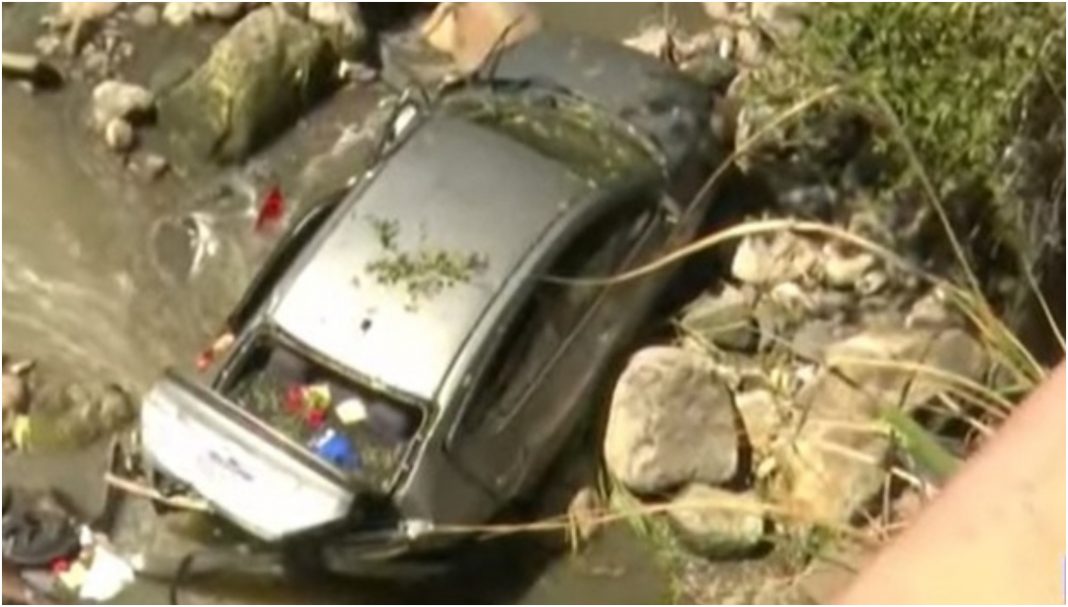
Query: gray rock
x=119, y=135
x=724, y=319
x=671, y=422
x=146, y=15
x=785, y=257
x=259, y=77
x=343, y=26
x=117, y=99
x=716, y=523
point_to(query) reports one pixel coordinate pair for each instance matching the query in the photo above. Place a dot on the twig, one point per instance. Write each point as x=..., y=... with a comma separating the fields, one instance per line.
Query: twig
x=139, y=490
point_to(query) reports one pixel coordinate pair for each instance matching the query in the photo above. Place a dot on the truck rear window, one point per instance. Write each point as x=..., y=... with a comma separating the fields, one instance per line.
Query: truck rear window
x=357, y=429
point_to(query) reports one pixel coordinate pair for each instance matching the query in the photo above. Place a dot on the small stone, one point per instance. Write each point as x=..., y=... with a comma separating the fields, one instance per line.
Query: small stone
x=95, y=60
x=748, y=47
x=48, y=44
x=117, y=99
x=785, y=257
x=221, y=11
x=872, y=282
x=14, y=392
x=716, y=523
x=85, y=12
x=119, y=135
x=783, y=20
x=845, y=271
x=582, y=512
x=146, y=15
x=671, y=422
x=177, y=14
x=724, y=319
x=760, y=416
x=929, y=311
x=812, y=338
x=149, y=166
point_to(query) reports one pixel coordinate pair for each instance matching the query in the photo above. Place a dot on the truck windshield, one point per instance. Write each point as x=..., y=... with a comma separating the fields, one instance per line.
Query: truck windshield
x=354, y=428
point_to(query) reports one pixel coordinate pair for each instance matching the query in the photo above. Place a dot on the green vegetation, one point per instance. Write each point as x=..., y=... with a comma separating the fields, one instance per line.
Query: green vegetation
x=972, y=93
x=423, y=273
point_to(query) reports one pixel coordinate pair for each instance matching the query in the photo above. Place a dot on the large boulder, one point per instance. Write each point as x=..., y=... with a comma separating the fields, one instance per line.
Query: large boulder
x=835, y=461
x=672, y=422
x=717, y=523
x=258, y=79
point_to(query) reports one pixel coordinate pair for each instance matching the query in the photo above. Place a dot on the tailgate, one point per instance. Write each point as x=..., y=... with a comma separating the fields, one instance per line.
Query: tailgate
x=255, y=476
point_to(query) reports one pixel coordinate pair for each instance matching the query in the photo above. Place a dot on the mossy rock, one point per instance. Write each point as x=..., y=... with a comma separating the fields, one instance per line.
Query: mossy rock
x=77, y=414
x=257, y=80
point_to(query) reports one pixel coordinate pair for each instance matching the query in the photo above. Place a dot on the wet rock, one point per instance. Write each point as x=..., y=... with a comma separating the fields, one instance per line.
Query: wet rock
x=114, y=99
x=844, y=271
x=258, y=78
x=149, y=167
x=724, y=319
x=671, y=422
x=119, y=135
x=343, y=26
x=717, y=523
x=146, y=15
x=785, y=257
x=77, y=414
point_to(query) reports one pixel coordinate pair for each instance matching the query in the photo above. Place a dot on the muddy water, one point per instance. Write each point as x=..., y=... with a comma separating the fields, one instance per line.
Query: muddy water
x=104, y=275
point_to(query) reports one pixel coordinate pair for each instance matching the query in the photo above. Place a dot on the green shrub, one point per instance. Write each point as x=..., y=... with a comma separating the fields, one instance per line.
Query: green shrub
x=978, y=91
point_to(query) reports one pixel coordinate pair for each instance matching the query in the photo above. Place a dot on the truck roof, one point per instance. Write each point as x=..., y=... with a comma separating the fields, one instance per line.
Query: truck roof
x=454, y=192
